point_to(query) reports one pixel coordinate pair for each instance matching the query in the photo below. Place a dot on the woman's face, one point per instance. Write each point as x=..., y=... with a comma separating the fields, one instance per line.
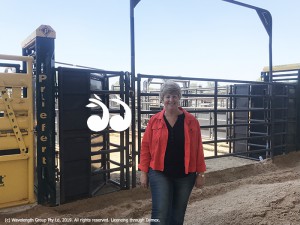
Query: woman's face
x=171, y=101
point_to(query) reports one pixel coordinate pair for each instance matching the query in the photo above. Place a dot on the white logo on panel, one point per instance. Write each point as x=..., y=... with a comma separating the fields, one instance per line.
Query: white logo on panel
x=116, y=122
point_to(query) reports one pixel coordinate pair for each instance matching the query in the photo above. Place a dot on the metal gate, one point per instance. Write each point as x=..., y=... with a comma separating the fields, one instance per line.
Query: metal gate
x=91, y=163
x=16, y=134
x=258, y=122
x=252, y=119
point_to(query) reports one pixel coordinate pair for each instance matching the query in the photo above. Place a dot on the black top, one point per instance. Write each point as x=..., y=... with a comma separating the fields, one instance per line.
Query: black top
x=174, y=157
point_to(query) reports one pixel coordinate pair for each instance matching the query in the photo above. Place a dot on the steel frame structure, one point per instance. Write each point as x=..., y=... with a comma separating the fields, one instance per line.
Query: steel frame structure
x=265, y=17
x=251, y=115
x=91, y=163
x=16, y=134
x=40, y=46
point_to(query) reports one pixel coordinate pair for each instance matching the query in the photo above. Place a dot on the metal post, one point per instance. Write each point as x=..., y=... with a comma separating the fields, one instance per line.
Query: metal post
x=40, y=45
x=133, y=4
x=298, y=111
x=216, y=118
x=266, y=18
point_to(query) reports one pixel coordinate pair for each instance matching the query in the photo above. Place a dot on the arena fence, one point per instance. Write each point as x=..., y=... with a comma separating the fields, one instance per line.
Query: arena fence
x=241, y=118
x=237, y=118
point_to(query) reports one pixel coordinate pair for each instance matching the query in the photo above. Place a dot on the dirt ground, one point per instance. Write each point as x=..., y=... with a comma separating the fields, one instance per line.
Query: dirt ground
x=263, y=193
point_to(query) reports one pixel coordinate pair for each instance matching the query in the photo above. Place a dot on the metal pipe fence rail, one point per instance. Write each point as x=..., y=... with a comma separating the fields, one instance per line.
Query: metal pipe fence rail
x=234, y=115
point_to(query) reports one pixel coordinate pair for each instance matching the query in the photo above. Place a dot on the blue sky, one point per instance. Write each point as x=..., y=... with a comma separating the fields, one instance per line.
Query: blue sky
x=199, y=38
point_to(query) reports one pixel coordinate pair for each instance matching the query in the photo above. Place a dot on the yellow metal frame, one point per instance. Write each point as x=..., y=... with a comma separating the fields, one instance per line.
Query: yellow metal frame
x=16, y=132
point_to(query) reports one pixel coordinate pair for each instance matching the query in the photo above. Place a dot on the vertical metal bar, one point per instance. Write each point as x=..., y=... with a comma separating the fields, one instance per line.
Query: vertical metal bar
x=298, y=111
x=106, y=138
x=132, y=44
x=230, y=119
x=284, y=138
x=29, y=92
x=216, y=118
x=122, y=146
x=272, y=97
x=270, y=58
x=271, y=120
x=139, y=125
x=249, y=117
x=127, y=133
x=45, y=114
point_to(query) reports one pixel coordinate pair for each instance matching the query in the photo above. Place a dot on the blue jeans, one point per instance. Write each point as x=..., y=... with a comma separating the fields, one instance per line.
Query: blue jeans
x=170, y=197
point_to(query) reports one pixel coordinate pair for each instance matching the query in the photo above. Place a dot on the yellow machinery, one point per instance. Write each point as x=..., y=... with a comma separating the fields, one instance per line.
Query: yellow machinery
x=16, y=135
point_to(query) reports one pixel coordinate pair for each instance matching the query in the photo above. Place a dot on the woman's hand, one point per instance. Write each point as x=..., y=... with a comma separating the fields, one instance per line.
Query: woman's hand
x=144, y=179
x=200, y=180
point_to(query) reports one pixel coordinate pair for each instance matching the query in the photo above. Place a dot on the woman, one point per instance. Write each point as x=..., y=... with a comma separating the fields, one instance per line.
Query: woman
x=171, y=158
